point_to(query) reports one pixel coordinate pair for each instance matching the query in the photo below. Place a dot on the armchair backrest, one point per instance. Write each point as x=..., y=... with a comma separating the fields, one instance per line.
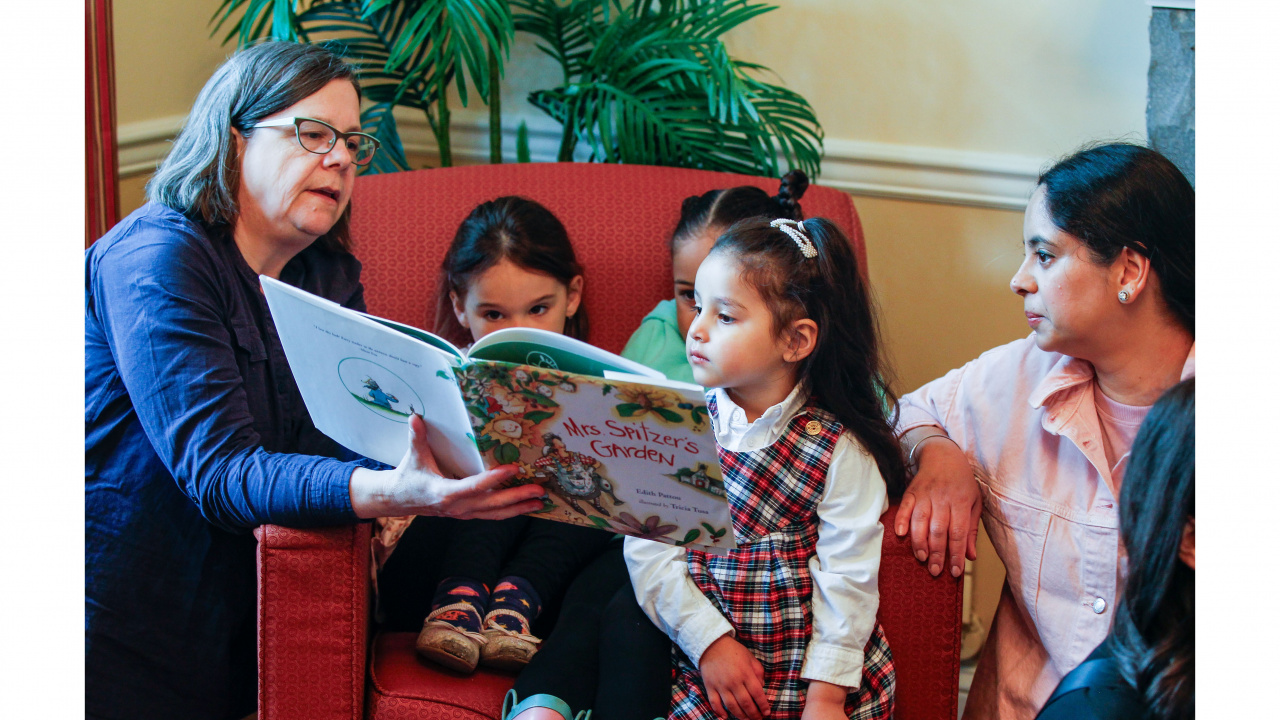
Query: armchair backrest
x=619, y=218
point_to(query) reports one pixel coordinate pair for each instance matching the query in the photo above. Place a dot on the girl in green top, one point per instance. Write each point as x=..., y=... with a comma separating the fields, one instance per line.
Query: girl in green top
x=659, y=341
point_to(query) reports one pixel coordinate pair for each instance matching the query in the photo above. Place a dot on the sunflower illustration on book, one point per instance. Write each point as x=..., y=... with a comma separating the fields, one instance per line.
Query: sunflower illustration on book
x=511, y=428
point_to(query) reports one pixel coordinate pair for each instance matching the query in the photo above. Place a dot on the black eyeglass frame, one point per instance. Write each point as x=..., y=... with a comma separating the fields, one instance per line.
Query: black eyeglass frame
x=338, y=136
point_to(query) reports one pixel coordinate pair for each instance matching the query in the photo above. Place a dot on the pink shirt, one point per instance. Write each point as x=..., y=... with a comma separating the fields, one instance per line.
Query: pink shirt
x=1120, y=424
x=1028, y=422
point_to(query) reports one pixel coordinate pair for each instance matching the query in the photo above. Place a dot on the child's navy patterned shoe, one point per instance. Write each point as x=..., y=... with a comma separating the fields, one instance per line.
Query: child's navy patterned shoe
x=451, y=633
x=509, y=644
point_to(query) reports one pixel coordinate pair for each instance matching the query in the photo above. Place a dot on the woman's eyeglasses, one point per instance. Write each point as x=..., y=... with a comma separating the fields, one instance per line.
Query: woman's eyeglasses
x=320, y=137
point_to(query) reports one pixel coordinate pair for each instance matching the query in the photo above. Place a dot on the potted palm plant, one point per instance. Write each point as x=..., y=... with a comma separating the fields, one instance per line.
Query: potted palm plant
x=643, y=81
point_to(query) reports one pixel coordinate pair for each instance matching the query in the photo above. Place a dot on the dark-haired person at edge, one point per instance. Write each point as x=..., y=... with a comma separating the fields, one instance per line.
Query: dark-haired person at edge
x=1035, y=435
x=194, y=428
x=1145, y=669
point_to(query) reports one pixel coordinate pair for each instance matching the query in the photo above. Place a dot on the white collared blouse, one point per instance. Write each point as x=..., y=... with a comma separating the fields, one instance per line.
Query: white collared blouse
x=845, y=568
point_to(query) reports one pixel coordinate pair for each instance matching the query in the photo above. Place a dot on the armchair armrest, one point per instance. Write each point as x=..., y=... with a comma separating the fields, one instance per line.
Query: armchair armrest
x=313, y=622
x=921, y=617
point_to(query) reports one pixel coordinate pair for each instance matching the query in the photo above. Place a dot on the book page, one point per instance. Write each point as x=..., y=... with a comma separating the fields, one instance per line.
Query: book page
x=659, y=382
x=626, y=457
x=429, y=338
x=362, y=380
x=540, y=348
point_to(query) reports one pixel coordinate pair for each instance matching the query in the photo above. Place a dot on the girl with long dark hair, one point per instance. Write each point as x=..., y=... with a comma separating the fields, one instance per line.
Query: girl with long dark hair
x=510, y=265
x=785, y=624
x=527, y=238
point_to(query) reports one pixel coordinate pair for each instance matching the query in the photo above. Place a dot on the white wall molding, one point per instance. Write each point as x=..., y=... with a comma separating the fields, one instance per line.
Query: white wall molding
x=908, y=172
x=905, y=172
x=1173, y=4
x=142, y=145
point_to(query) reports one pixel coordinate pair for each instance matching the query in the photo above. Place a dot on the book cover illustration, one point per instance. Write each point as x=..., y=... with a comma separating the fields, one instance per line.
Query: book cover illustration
x=615, y=455
x=617, y=446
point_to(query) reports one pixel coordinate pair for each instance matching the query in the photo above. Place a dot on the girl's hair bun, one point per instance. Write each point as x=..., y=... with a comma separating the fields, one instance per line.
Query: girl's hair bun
x=693, y=206
x=790, y=191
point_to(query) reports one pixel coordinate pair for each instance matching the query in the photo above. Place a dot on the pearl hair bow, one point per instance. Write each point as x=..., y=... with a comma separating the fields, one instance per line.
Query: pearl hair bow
x=795, y=229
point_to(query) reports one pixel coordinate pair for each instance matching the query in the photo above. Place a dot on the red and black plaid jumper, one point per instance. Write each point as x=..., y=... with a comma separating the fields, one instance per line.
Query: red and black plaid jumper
x=764, y=588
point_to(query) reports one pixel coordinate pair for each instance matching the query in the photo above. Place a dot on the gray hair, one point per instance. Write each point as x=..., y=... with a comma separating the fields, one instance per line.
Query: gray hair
x=201, y=174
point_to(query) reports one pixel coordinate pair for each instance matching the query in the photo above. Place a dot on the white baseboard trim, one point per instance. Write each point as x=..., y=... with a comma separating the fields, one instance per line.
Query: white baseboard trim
x=905, y=172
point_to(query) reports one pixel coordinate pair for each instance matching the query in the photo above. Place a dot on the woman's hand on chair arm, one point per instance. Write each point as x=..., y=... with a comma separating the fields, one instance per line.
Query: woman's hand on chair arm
x=942, y=504
x=416, y=487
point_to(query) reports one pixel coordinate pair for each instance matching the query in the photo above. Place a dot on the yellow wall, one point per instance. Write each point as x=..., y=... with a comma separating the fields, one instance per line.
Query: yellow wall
x=1026, y=77
x=941, y=277
x=1034, y=77
x=164, y=55
x=942, y=271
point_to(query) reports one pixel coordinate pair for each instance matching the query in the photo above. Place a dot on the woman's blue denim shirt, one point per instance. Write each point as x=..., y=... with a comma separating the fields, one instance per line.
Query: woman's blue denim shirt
x=194, y=433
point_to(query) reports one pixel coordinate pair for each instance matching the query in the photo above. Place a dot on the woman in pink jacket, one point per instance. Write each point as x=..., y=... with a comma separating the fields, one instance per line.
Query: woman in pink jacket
x=1034, y=436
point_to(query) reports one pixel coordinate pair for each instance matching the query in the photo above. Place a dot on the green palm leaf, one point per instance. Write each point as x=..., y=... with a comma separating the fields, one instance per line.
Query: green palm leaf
x=405, y=52
x=644, y=81
x=378, y=120
x=652, y=83
x=261, y=18
x=562, y=28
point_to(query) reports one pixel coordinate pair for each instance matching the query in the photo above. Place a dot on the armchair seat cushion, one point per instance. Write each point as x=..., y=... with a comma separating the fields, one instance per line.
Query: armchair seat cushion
x=403, y=686
x=919, y=627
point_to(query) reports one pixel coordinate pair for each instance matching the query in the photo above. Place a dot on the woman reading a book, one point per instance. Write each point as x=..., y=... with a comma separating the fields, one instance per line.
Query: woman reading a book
x=194, y=428
x=1046, y=423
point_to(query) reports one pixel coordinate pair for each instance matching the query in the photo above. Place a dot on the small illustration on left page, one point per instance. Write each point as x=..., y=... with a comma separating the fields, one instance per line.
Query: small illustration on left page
x=378, y=389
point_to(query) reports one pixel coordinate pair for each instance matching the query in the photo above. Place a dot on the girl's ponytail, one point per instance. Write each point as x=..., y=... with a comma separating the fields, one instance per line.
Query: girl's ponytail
x=790, y=191
x=718, y=209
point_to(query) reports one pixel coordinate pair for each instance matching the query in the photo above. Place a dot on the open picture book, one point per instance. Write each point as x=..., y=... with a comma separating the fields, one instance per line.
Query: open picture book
x=617, y=445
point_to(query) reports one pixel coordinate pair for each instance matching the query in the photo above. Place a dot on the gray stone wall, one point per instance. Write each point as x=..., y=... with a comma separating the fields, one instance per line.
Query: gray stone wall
x=1171, y=87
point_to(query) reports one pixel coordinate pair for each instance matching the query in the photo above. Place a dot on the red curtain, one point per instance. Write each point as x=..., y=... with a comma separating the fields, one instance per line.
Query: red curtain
x=102, y=181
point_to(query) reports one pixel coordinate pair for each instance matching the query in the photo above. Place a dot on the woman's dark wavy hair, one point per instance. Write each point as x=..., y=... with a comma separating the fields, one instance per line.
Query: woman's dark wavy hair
x=722, y=208
x=1118, y=196
x=1154, y=634
x=845, y=371
x=511, y=228
x=201, y=174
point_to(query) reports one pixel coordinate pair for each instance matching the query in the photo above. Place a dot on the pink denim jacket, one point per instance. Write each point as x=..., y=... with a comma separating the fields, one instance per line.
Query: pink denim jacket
x=1027, y=421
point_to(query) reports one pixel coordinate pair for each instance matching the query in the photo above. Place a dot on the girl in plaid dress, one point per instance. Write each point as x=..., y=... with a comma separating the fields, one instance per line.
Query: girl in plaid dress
x=785, y=625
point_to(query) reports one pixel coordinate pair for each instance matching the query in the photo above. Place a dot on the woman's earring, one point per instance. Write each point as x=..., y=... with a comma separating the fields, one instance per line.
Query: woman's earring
x=1124, y=296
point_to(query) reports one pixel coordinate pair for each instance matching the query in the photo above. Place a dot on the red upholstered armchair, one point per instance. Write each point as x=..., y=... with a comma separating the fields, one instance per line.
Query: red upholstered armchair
x=315, y=657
